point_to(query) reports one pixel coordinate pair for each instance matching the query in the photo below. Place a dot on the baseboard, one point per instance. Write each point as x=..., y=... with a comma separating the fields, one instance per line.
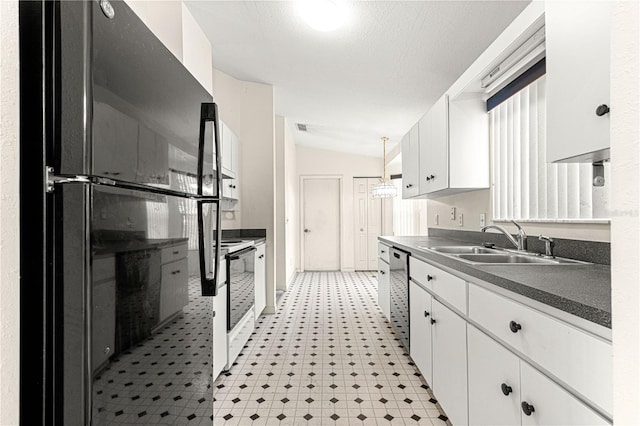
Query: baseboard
x=348, y=270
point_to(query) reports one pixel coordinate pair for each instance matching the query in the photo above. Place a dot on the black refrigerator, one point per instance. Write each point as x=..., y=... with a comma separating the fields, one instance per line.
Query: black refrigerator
x=120, y=186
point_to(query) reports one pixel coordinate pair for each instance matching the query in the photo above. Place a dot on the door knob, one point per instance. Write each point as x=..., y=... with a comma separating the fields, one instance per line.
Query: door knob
x=307, y=230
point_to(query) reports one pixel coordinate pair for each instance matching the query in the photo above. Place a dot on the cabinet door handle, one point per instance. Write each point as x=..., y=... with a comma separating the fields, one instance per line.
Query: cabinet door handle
x=602, y=110
x=396, y=255
x=382, y=251
x=433, y=321
x=506, y=389
x=514, y=327
x=214, y=314
x=176, y=252
x=429, y=277
x=527, y=408
x=175, y=272
x=382, y=272
x=426, y=314
x=409, y=185
x=428, y=178
x=261, y=256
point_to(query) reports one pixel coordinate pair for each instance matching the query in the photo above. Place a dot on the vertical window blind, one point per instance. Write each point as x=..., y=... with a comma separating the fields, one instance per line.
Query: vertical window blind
x=526, y=187
x=407, y=213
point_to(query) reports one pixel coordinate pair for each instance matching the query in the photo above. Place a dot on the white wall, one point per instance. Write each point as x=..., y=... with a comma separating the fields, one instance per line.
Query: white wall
x=625, y=202
x=9, y=220
x=314, y=162
x=472, y=203
x=286, y=201
x=292, y=251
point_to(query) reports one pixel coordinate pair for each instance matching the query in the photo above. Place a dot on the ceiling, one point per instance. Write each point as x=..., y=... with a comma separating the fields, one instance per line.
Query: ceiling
x=375, y=76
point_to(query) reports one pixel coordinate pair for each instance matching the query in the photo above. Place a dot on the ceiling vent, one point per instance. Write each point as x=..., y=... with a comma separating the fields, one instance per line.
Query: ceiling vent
x=301, y=127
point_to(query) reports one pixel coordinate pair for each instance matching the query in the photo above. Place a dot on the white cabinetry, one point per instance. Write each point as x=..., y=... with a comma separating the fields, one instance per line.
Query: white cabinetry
x=438, y=335
x=564, y=351
x=578, y=74
x=219, y=330
x=260, y=280
x=505, y=390
x=230, y=152
x=449, y=340
x=384, y=295
x=454, y=147
x=420, y=330
x=410, y=163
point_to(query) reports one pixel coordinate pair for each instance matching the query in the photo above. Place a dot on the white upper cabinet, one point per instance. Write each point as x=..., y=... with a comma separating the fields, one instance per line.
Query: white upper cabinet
x=578, y=51
x=230, y=152
x=410, y=159
x=454, y=147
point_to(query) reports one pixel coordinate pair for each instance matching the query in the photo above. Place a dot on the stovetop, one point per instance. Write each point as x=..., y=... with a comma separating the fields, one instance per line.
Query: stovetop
x=233, y=245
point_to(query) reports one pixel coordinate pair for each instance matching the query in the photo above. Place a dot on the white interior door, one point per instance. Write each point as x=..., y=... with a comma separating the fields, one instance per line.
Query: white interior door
x=360, y=207
x=367, y=224
x=321, y=224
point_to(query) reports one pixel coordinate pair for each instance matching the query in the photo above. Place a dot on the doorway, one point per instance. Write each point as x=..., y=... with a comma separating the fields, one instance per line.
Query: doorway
x=321, y=223
x=367, y=223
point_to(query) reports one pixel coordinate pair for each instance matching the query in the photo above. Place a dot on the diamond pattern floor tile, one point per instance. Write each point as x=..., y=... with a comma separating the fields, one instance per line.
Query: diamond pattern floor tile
x=327, y=357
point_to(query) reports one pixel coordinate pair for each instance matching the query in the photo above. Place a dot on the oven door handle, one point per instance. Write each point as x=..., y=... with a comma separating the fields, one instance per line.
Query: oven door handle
x=237, y=255
x=208, y=282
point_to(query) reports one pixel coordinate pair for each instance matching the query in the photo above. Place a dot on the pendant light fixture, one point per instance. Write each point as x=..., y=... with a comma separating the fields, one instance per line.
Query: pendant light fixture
x=385, y=188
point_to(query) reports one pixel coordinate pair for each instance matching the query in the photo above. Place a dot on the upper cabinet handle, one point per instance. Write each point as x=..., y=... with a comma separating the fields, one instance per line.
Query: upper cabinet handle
x=602, y=110
x=514, y=327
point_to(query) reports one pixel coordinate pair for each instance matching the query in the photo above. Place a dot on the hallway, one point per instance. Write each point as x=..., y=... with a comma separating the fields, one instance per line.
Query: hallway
x=327, y=357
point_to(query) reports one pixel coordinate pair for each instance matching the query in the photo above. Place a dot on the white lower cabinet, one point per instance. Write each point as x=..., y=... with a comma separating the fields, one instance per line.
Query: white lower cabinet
x=420, y=330
x=501, y=362
x=494, y=381
x=439, y=349
x=384, y=296
x=260, y=280
x=219, y=331
x=449, y=340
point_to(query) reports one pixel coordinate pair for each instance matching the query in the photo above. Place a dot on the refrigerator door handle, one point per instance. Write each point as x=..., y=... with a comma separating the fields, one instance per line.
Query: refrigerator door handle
x=209, y=113
x=208, y=282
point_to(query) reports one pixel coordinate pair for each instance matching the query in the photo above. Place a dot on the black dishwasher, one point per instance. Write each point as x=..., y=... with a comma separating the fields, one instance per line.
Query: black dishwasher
x=399, y=288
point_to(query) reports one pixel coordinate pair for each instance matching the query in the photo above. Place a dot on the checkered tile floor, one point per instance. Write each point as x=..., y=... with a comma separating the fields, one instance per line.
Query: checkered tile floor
x=328, y=357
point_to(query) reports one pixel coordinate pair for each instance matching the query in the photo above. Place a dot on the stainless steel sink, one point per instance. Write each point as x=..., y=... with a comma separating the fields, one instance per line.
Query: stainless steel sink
x=493, y=256
x=462, y=250
x=505, y=258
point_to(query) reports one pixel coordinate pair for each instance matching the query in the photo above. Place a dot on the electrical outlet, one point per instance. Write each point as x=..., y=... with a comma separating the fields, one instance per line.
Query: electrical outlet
x=453, y=213
x=483, y=219
x=436, y=218
x=460, y=219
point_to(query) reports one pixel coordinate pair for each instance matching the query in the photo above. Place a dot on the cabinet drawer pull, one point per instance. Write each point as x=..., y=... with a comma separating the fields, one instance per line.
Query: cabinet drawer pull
x=602, y=110
x=506, y=389
x=429, y=277
x=382, y=272
x=261, y=256
x=514, y=327
x=175, y=272
x=527, y=408
x=214, y=314
x=426, y=314
x=382, y=251
x=396, y=255
x=176, y=252
x=433, y=321
x=409, y=185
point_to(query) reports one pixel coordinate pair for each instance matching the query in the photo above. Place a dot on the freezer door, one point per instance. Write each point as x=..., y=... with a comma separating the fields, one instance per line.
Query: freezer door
x=131, y=290
x=129, y=109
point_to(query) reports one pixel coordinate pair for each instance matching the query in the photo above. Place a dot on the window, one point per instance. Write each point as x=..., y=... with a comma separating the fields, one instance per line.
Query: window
x=407, y=214
x=524, y=186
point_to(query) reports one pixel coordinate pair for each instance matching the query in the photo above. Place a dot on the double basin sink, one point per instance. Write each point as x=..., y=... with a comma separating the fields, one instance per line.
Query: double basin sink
x=492, y=256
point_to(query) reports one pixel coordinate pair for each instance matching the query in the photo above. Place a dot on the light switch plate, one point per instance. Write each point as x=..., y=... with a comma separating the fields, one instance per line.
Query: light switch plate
x=483, y=219
x=453, y=213
x=460, y=219
x=436, y=219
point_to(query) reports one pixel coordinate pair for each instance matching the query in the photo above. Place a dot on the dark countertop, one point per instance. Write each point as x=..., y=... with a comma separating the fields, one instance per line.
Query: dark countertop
x=121, y=246
x=582, y=290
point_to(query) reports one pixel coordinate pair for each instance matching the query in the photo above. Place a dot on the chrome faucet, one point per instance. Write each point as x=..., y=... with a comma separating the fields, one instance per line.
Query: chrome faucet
x=548, y=246
x=521, y=239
